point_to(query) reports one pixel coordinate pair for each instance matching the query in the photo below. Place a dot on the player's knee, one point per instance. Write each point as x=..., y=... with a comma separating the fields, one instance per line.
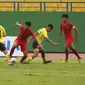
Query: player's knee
x=25, y=53
x=42, y=51
x=35, y=54
x=66, y=47
x=13, y=47
x=5, y=52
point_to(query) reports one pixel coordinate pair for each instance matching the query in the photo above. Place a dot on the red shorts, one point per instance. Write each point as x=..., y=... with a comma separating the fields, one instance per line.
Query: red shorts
x=23, y=45
x=69, y=42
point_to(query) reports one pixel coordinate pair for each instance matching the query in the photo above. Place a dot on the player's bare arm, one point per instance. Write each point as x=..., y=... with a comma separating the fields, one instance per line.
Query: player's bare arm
x=60, y=35
x=50, y=41
x=31, y=38
x=18, y=24
x=76, y=31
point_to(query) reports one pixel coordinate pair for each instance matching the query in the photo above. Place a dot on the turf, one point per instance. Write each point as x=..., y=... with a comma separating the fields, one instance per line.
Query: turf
x=37, y=73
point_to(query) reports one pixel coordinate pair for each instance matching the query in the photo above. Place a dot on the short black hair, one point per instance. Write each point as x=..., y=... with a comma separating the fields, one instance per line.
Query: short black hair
x=65, y=15
x=28, y=23
x=50, y=25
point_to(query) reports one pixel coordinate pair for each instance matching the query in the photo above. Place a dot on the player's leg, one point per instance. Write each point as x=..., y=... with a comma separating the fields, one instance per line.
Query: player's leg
x=24, y=56
x=15, y=44
x=66, y=53
x=7, y=55
x=35, y=52
x=24, y=49
x=44, y=57
x=3, y=49
x=75, y=52
x=66, y=50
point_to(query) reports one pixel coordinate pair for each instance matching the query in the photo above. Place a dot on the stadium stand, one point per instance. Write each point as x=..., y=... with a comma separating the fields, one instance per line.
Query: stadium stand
x=31, y=5
x=6, y=6
x=73, y=0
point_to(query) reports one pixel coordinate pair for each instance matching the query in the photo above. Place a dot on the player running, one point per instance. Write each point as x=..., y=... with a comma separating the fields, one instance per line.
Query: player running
x=21, y=40
x=41, y=35
x=2, y=45
x=67, y=28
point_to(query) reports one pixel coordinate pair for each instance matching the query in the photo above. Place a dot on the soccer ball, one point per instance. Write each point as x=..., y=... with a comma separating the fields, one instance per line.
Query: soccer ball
x=13, y=60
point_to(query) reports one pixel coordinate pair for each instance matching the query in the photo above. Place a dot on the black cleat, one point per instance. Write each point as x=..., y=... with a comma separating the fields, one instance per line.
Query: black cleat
x=48, y=61
x=24, y=62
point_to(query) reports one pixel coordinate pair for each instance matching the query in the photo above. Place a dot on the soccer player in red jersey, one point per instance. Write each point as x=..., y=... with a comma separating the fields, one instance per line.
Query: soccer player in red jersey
x=67, y=28
x=21, y=40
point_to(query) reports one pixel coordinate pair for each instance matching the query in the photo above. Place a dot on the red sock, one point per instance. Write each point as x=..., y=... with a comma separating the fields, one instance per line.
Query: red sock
x=67, y=53
x=76, y=53
x=23, y=58
x=12, y=51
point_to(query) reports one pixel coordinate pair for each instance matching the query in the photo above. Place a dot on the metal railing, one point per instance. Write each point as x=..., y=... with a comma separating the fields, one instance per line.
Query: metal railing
x=19, y=6
x=43, y=6
x=13, y=7
x=71, y=5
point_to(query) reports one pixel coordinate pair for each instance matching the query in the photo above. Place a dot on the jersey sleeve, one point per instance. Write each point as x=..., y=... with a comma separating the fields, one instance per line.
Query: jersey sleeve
x=45, y=34
x=72, y=26
x=21, y=28
x=4, y=32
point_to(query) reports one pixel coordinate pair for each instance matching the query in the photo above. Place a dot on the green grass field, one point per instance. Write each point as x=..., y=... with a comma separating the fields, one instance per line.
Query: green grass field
x=37, y=73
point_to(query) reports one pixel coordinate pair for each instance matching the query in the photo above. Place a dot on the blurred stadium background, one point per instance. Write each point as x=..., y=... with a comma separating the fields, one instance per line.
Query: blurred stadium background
x=41, y=13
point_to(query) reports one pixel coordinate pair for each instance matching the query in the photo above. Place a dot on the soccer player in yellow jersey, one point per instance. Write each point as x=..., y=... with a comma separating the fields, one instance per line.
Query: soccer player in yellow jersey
x=2, y=45
x=41, y=35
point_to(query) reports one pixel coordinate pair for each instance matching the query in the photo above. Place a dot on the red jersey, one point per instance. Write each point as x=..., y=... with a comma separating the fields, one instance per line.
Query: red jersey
x=67, y=28
x=24, y=34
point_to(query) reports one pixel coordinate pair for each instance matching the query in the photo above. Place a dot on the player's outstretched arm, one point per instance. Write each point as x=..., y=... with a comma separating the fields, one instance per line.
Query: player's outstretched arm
x=59, y=39
x=4, y=32
x=50, y=41
x=18, y=24
x=76, y=31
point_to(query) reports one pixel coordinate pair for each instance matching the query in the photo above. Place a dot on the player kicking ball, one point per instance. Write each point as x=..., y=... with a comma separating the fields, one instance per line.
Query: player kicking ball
x=2, y=45
x=21, y=40
x=67, y=28
x=41, y=34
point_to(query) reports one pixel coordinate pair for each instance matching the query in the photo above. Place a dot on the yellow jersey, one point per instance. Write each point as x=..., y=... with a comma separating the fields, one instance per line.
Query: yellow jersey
x=41, y=34
x=2, y=34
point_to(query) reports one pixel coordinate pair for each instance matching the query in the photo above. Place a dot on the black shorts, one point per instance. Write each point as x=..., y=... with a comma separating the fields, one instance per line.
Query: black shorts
x=2, y=47
x=35, y=45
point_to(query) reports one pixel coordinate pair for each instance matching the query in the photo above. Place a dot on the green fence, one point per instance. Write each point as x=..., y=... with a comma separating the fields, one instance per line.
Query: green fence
x=42, y=19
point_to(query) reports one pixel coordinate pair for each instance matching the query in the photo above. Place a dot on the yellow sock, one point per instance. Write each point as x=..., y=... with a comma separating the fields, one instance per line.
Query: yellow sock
x=44, y=59
x=7, y=57
x=29, y=59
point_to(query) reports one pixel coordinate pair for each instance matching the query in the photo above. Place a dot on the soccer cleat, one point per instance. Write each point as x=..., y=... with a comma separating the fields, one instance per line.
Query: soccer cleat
x=10, y=63
x=48, y=61
x=24, y=62
x=65, y=61
x=28, y=59
x=79, y=60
